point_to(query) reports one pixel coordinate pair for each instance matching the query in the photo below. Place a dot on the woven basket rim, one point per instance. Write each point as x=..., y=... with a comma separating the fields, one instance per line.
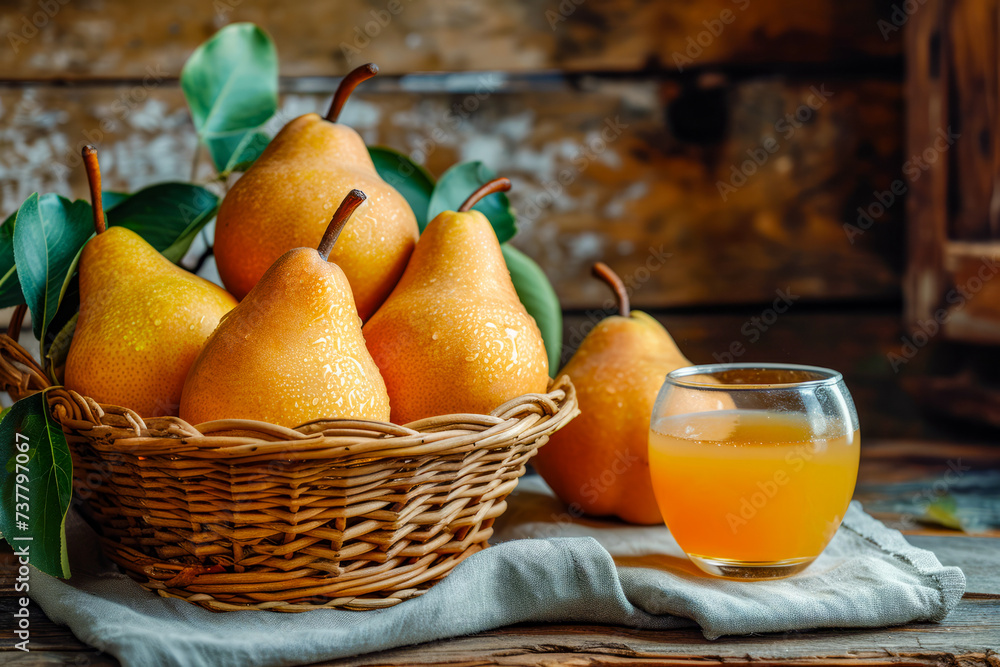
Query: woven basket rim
x=119, y=429
x=424, y=437
x=240, y=514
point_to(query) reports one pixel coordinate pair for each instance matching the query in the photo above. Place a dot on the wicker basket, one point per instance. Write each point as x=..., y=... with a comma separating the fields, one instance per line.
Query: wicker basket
x=333, y=514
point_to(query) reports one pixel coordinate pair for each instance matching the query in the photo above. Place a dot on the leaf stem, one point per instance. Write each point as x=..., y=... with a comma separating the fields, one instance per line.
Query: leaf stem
x=339, y=221
x=94, y=179
x=195, y=161
x=16, y=320
x=607, y=274
x=347, y=86
x=501, y=184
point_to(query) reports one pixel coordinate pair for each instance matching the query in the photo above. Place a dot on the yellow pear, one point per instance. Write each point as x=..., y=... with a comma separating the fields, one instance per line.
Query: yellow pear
x=286, y=198
x=453, y=336
x=599, y=461
x=143, y=319
x=292, y=351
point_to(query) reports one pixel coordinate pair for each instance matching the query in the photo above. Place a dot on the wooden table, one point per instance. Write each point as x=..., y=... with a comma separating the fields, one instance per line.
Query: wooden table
x=969, y=636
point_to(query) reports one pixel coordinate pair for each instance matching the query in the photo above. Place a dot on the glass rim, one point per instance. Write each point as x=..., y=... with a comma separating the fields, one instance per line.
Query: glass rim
x=829, y=377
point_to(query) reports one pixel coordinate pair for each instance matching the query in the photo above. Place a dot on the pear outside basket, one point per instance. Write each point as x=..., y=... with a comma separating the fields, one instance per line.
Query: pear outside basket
x=333, y=514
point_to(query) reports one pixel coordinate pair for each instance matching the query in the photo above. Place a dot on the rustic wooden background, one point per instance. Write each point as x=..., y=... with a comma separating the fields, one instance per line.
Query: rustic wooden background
x=686, y=92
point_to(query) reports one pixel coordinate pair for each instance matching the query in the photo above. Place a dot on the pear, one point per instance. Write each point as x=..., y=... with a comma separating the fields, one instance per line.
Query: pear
x=287, y=197
x=292, y=351
x=599, y=461
x=453, y=336
x=143, y=319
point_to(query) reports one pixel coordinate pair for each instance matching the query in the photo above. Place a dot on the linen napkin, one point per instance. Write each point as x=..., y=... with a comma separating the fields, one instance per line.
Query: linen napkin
x=547, y=566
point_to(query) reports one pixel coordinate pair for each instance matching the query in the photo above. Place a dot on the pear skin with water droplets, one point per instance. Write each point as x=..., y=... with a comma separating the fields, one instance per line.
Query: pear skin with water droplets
x=143, y=320
x=453, y=336
x=285, y=200
x=291, y=352
x=599, y=462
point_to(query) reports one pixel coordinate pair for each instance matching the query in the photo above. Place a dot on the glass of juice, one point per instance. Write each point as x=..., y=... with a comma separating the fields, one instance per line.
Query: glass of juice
x=753, y=465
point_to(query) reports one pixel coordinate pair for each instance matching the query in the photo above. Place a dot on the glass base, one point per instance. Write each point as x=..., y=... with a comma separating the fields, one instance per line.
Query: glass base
x=750, y=570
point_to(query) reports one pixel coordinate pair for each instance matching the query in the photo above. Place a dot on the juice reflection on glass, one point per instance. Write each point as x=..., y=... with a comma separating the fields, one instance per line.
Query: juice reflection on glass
x=753, y=471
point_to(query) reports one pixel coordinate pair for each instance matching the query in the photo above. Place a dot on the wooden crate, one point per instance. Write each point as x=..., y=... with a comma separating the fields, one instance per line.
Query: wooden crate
x=952, y=171
x=952, y=178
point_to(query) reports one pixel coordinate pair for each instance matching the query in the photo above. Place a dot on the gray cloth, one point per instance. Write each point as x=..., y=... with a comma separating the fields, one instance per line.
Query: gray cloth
x=548, y=566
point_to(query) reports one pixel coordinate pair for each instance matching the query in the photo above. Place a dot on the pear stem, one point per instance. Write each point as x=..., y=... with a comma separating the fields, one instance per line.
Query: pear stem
x=94, y=179
x=496, y=185
x=347, y=86
x=339, y=221
x=607, y=274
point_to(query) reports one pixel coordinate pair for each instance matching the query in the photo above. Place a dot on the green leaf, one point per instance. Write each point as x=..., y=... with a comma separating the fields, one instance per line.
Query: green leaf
x=167, y=215
x=10, y=286
x=943, y=511
x=110, y=199
x=36, y=484
x=411, y=180
x=539, y=299
x=54, y=357
x=231, y=86
x=67, y=309
x=58, y=350
x=71, y=284
x=460, y=181
x=52, y=231
x=241, y=154
x=49, y=232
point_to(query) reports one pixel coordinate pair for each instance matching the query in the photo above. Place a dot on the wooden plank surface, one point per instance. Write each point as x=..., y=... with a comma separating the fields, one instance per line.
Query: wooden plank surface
x=977, y=556
x=971, y=637
x=82, y=658
x=636, y=167
x=111, y=39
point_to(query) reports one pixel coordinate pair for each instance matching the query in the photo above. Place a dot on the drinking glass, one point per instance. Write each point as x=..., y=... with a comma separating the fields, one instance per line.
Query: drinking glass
x=753, y=465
